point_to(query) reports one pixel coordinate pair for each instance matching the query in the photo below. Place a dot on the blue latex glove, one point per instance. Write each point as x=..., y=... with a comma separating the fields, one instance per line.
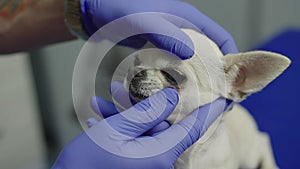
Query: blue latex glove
x=96, y=13
x=124, y=143
x=104, y=108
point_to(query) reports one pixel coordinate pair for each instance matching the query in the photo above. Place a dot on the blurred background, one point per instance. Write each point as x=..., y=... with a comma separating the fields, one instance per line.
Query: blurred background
x=37, y=118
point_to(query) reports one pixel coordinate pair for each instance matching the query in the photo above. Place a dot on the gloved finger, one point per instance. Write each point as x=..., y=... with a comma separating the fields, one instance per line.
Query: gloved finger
x=134, y=42
x=91, y=122
x=166, y=36
x=102, y=107
x=194, y=125
x=221, y=37
x=120, y=95
x=210, y=28
x=146, y=114
x=158, y=129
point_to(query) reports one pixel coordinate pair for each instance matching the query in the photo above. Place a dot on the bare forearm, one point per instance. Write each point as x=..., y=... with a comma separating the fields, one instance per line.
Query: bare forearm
x=34, y=25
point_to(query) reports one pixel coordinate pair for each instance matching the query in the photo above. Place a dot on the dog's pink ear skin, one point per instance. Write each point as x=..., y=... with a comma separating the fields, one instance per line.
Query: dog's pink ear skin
x=250, y=72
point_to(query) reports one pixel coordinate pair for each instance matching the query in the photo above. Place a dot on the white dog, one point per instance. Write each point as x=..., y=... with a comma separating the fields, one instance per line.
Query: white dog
x=233, y=140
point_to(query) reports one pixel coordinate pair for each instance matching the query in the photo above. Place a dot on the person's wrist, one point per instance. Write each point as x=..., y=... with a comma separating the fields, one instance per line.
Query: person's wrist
x=74, y=18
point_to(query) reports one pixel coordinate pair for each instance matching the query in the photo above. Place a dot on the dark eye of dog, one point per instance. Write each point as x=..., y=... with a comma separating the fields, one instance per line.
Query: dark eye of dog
x=173, y=76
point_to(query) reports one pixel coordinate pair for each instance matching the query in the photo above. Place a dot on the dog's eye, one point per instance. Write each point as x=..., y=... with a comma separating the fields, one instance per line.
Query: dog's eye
x=173, y=76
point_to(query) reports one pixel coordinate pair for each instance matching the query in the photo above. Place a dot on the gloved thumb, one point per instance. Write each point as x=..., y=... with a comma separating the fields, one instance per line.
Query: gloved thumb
x=146, y=114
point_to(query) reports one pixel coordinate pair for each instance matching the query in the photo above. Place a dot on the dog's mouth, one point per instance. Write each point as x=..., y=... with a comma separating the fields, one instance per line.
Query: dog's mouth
x=141, y=90
x=148, y=82
x=141, y=87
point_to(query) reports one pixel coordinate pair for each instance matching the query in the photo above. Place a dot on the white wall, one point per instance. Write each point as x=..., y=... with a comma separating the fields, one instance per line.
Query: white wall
x=21, y=143
x=279, y=15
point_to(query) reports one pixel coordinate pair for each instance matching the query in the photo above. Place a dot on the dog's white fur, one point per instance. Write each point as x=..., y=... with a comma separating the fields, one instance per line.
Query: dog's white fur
x=233, y=140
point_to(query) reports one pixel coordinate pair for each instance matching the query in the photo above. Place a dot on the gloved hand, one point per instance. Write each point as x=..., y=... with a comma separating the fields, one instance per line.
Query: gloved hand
x=121, y=141
x=96, y=13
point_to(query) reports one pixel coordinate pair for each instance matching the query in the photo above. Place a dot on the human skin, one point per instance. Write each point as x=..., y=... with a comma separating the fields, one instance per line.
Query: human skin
x=22, y=30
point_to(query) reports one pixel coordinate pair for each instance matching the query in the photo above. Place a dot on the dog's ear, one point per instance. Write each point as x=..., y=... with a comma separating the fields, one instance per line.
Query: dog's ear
x=250, y=72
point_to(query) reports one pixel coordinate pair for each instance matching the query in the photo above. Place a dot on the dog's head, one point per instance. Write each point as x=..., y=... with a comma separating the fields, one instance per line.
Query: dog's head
x=206, y=76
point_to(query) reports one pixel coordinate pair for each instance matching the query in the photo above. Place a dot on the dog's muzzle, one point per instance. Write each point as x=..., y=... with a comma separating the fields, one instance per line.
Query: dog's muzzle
x=143, y=84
